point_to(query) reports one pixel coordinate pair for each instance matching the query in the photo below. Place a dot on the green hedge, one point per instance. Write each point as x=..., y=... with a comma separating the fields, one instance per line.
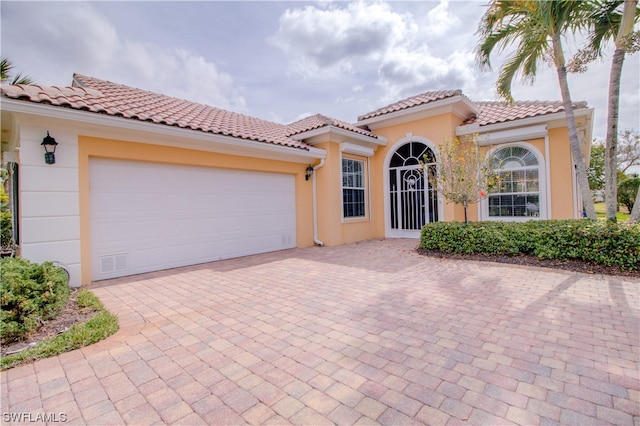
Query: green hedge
x=602, y=242
x=29, y=293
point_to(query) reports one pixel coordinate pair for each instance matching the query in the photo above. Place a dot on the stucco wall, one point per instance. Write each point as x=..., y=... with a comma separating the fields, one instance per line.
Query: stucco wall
x=48, y=198
x=562, y=180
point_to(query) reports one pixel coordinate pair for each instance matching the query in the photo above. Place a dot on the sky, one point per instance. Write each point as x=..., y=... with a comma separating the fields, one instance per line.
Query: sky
x=282, y=61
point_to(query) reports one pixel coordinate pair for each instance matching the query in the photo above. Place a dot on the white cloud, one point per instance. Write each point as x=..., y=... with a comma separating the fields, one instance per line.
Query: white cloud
x=335, y=39
x=51, y=41
x=440, y=19
x=371, y=38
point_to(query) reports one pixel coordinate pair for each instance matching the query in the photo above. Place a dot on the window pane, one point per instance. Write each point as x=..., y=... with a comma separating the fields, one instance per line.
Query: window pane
x=533, y=205
x=519, y=186
x=353, y=194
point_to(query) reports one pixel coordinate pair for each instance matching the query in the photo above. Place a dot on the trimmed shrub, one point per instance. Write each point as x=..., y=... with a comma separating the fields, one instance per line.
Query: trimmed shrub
x=29, y=294
x=602, y=242
x=99, y=327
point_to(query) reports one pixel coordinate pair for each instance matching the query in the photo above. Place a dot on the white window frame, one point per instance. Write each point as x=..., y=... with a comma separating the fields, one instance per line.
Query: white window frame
x=483, y=206
x=362, y=188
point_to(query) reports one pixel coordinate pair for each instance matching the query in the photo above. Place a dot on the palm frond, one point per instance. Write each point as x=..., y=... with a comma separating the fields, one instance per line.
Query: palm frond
x=20, y=79
x=5, y=70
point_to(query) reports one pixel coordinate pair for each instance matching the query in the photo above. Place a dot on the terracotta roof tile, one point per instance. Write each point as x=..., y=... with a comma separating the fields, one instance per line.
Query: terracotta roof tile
x=423, y=98
x=318, y=121
x=99, y=96
x=500, y=112
x=490, y=112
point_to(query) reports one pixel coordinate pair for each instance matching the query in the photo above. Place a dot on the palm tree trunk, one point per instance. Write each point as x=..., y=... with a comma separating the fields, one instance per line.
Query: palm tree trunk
x=635, y=212
x=611, y=145
x=574, y=142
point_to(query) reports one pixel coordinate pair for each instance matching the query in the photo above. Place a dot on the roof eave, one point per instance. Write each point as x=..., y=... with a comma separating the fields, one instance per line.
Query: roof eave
x=196, y=139
x=557, y=119
x=459, y=105
x=337, y=134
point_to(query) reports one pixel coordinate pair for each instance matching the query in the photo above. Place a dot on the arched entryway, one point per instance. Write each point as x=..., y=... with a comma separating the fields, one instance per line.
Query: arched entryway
x=411, y=200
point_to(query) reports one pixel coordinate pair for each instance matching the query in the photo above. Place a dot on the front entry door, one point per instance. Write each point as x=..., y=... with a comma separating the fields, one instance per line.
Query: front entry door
x=413, y=202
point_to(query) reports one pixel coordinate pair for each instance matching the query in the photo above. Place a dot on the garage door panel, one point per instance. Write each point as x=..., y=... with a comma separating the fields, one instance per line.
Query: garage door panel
x=148, y=216
x=149, y=259
x=112, y=233
x=107, y=205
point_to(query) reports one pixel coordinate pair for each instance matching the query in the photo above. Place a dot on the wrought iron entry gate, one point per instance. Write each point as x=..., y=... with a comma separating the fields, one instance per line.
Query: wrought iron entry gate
x=413, y=201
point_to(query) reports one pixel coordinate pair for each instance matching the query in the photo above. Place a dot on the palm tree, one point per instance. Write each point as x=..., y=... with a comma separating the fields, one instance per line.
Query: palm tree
x=536, y=28
x=5, y=71
x=608, y=23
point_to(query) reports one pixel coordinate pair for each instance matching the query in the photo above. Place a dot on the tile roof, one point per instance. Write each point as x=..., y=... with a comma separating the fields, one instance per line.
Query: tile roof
x=104, y=97
x=99, y=96
x=500, y=112
x=318, y=121
x=423, y=98
x=490, y=112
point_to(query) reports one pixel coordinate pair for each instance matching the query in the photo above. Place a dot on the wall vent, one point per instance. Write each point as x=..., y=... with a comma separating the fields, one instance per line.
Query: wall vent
x=287, y=240
x=114, y=263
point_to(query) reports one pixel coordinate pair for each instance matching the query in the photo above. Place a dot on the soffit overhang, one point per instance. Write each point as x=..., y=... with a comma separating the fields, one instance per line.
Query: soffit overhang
x=332, y=133
x=584, y=124
x=459, y=106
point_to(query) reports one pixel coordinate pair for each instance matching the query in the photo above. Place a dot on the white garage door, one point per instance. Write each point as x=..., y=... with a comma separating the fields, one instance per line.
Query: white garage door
x=147, y=216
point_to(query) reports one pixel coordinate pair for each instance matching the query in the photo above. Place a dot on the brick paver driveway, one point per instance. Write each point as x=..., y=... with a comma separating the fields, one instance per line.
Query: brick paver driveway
x=360, y=334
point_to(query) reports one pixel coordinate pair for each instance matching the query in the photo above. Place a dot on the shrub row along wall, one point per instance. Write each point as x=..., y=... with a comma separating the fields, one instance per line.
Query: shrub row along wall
x=30, y=293
x=602, y=242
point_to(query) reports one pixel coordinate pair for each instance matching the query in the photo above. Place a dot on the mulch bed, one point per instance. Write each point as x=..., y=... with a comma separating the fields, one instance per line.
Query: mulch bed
x=527, y=260
x=70, y=315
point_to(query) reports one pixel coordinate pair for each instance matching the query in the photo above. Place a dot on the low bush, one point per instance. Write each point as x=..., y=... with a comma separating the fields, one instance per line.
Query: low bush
x=602, y=242
x=99, y=327
x=30, y=293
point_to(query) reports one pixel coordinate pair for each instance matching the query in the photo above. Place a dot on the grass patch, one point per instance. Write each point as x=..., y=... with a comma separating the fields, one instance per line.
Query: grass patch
x=601, y=211
x=102, y=325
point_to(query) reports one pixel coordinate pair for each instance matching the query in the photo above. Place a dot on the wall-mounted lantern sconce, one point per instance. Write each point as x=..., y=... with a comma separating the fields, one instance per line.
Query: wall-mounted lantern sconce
x=49, y=144
x=309, y=172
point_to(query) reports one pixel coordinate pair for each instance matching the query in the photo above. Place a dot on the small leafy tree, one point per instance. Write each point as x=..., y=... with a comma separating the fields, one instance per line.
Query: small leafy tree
x=627, y=192
x=595, y=172
x=628, y=156
x=463, y=176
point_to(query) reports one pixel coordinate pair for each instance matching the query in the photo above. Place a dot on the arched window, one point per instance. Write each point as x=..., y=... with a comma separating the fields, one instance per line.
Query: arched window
x=518, y=192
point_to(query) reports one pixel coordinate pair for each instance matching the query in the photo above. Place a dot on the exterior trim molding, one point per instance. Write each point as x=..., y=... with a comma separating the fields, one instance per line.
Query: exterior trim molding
x=522, y=133
x=336, y=134
x=349, y=148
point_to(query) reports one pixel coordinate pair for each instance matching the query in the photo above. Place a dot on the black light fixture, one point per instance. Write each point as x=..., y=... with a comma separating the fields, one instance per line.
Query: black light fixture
x=309, y=172
x=49, y=144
